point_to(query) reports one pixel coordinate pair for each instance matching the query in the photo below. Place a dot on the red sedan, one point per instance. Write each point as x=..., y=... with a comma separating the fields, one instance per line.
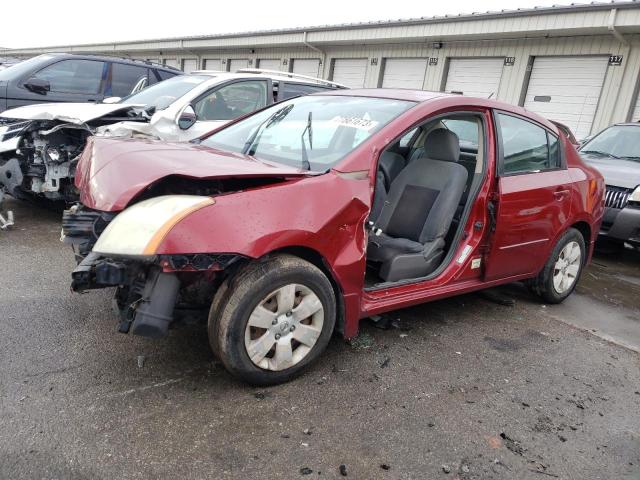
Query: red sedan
x=312, y=214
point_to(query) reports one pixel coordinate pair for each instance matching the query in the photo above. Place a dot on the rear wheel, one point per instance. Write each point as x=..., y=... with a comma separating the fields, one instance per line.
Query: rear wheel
x=274, y=319
x=562, y=271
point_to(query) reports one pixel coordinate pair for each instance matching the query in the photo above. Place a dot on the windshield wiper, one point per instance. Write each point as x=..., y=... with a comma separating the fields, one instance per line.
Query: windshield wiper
x=309, y=130
x=254, y=138
x=598, y=152
x=631, y=157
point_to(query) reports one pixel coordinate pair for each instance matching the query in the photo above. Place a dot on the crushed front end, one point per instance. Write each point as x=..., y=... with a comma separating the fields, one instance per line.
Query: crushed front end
x=81, y=227
x=155, y=292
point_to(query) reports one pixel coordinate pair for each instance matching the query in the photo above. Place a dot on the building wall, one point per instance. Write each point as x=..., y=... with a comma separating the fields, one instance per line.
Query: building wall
x=618, y=95
x=524, y=34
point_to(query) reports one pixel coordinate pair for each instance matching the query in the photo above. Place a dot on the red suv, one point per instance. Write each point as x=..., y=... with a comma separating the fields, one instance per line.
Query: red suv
x=314, y=213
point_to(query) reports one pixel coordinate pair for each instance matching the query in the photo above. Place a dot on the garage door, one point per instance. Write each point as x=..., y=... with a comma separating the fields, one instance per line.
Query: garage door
x=189, y=65
x=172, y=62
x=475, y=77
x=269, y=64
x=306, y=66
x=404, y=73
x=350, y=71
x=635, y=117
x=237, y=64
x=567, y=89
x=212, y=64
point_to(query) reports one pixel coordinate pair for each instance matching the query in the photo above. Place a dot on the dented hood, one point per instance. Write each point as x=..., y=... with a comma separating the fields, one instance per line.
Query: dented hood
x=112, y=171
x=66, y=112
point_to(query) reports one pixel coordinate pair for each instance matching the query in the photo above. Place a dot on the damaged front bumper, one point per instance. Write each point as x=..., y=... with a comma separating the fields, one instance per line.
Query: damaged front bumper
x=151, y=291
x=81, y=227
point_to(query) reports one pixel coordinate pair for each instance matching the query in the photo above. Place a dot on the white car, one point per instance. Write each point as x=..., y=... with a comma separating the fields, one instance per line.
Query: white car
x=40, y=144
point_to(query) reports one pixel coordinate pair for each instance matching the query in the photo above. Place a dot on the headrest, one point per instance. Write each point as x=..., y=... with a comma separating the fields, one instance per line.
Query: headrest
x=442, y=144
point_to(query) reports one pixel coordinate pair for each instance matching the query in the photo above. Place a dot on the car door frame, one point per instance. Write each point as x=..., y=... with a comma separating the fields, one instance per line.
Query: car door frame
x=509, y=256
x=458, y=272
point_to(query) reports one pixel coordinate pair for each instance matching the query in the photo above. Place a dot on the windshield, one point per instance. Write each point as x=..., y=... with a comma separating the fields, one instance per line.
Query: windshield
x=619, y=141
x=313, y=132
x=163, y=94
x=19, y=69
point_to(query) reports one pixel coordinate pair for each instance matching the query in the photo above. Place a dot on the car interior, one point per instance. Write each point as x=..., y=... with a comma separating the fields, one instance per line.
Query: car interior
x=424, y=183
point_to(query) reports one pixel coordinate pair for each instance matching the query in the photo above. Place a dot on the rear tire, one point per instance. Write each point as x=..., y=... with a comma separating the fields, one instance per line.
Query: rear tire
x=562, y=271
x=272, y=319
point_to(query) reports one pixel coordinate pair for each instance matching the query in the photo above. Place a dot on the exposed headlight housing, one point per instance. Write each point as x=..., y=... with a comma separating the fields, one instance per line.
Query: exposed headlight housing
x=635, y=195
x=140, y=229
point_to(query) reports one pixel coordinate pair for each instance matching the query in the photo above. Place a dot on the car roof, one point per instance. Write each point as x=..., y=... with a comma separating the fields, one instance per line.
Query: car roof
x=108, y=58
x=426, y=96
x=273, y=75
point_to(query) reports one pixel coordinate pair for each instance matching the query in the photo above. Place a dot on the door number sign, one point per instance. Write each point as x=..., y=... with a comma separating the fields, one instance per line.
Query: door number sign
x=615, y=60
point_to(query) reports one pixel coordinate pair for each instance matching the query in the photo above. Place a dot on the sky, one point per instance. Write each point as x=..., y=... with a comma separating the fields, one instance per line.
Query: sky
x=65, y=22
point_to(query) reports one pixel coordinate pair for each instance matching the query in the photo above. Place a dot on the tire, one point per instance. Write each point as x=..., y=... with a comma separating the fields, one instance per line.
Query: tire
x=546, y=284
x=241, y=320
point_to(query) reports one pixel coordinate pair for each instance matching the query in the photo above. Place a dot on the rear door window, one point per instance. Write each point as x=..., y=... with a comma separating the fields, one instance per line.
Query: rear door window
x=526, y=147
x=74, y=76
x=127, y=79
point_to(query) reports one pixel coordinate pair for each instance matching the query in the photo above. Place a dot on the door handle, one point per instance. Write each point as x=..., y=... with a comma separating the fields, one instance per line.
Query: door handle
x=561, y=194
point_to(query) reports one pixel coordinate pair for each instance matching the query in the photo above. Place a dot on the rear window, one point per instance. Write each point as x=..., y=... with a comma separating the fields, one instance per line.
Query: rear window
x=290, y=90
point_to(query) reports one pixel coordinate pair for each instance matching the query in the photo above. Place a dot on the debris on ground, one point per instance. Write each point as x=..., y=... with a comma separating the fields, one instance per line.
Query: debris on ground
x=306, y=471
x=385, y=466
x=385, y=362
x=386, y=322
x=498, y=297
x=140, y=361
x=307, y=431
x=512, y=445
x=446, y=468
x=259, y=395
x=343, y=470
x=362, y=341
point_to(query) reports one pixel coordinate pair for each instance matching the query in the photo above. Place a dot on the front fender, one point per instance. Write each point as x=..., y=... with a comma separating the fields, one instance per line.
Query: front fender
x=326, y=214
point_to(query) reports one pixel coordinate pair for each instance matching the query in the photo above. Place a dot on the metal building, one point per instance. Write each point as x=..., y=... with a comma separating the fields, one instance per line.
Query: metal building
x=578, y=64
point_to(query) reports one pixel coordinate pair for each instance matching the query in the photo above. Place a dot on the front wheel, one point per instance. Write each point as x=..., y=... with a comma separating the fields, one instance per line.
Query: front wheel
x=274, y=319
x=562, y=271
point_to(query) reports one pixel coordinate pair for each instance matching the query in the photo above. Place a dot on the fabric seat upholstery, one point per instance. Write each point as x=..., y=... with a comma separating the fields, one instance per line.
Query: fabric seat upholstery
x=418, y=211
x=389, y=167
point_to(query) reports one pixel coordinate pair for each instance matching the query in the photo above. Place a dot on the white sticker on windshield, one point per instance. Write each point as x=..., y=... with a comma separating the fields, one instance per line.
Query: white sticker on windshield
x=355, y=122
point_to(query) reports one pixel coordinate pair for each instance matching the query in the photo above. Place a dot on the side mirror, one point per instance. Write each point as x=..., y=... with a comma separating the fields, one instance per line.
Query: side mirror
x=38, y=85
x=187, y=118
x=111, y=100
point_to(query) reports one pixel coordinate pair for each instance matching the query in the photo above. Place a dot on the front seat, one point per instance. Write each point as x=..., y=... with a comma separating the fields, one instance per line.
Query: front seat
x=418, y=211
x=389, y=167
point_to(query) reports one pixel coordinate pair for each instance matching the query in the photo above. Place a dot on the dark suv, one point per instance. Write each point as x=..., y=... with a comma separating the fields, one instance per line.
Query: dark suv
x=63, y=77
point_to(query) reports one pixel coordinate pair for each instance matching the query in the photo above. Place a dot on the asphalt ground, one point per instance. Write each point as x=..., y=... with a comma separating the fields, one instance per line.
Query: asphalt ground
x=460, y=388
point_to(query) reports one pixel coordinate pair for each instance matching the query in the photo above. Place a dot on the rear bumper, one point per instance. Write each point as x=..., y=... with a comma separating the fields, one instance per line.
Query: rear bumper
x=622, y=224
